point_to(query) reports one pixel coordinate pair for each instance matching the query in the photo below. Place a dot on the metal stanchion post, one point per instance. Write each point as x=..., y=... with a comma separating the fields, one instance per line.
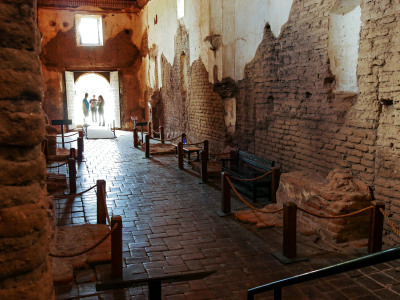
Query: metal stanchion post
x=225, y=195
x=180, y=155
x=80, y=149
x=205, y=149
x=72, y=176
x=289, y=229
x=376, y=229
x=203, y=169
x=72, y=153
x=116, y=248
x=162, y=135
x=135, y=138
x=149, y=129
x=147, y=146
x=82, y=135
x=275, y=177
x=101, y=202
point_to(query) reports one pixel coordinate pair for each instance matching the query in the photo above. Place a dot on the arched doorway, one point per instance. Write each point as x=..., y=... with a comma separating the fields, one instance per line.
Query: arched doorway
x=93, y=84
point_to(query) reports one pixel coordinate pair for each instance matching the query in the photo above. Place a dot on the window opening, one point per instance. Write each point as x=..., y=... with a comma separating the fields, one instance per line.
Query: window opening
x=183, y=73
x=181, y=8
x=344, y=36
x=89, y=30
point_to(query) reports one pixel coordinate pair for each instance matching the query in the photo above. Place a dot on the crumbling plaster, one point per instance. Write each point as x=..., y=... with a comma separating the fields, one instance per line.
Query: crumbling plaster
x=240, y=25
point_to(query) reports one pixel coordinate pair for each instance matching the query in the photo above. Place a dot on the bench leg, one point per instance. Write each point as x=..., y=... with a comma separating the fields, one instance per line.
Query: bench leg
x=155, y=290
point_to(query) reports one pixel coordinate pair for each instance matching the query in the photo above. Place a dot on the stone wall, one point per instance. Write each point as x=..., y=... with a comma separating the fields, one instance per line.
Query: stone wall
x=25, y=231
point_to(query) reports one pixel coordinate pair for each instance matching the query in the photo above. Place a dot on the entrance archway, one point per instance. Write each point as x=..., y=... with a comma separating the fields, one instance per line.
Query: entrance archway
x=93, y=84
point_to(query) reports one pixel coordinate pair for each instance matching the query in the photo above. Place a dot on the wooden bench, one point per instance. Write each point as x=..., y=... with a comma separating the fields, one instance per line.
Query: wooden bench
x=247, y=166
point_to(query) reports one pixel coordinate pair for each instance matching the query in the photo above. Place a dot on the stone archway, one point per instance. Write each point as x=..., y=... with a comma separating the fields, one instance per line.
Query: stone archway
x=94, y=84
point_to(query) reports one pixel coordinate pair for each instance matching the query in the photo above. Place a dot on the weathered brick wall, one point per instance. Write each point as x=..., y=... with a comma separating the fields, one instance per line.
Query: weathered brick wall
x=200, y=111
x=379, y=73
x=205, y=108
x=288, y=110
x=173, y=101
x=25, y=232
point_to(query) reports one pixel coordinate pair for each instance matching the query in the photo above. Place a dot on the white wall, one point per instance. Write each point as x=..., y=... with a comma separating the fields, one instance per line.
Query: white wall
x=344, y=36
x=239, y=23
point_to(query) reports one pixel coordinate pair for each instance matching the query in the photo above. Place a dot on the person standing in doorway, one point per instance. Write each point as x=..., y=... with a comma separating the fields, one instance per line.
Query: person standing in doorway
x=85, y=108
x=100, y=108
x=93, y=108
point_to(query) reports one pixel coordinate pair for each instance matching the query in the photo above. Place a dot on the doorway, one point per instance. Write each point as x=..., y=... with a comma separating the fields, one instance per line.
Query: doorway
x=93, y=83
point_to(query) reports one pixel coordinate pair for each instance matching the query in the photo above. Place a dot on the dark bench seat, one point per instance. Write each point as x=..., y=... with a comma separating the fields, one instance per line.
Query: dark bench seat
x=247, y=166
x=188, y=149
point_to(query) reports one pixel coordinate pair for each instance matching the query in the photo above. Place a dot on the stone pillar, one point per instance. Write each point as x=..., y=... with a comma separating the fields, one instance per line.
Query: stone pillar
x=25, y=230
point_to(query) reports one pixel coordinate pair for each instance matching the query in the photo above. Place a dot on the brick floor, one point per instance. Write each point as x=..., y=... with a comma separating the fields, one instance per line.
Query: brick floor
x=170, y=227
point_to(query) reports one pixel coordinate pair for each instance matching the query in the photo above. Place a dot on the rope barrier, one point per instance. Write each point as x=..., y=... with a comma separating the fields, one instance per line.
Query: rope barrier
x=217, y=154
x=173, y=138
x=53, y=167
x=65, y=135
x=336, y=217
x=247, y=203
x=86, y=250
x=75, y=195
x=190, y=159
x=194, y=144
x=306, y=211
x=390, y=222
x=67, y=142
x=156, y=130
x=189, y=140
x=252, y=179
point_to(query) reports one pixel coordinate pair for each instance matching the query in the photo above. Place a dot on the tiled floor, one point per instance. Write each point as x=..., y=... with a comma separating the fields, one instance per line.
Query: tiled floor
x=170, y=226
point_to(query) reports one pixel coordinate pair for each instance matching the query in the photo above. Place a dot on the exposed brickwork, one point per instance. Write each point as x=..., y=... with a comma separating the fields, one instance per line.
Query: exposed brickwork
x=288, y=110
x=378, y=72
x=25, y=231
x=200, y=111
x=205, y=107
x=173, y=100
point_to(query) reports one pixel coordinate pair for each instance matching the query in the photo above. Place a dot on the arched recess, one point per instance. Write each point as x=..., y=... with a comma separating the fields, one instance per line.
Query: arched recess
x=344, y=36
x=93, y=84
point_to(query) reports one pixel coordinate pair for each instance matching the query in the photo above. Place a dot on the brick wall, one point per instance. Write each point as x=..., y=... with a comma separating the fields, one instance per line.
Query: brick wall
x=288, y=110
x=199, y=112
x=25, y=231
x=379, y=72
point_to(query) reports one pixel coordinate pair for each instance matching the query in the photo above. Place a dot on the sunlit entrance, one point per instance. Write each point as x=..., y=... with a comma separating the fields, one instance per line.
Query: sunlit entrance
x=93, y=84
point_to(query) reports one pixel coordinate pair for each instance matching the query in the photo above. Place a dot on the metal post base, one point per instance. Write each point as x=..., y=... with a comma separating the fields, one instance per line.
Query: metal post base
x=222, y=214
x=206, y=182
x=285, y=260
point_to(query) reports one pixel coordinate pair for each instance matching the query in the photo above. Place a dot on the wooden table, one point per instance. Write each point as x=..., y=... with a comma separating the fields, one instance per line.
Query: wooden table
x=191, y=149
x=62, y=123
x=141, y=124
